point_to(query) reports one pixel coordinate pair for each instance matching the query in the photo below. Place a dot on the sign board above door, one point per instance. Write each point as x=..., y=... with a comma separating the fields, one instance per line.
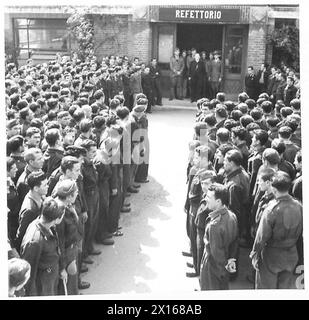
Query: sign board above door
x=199, y=15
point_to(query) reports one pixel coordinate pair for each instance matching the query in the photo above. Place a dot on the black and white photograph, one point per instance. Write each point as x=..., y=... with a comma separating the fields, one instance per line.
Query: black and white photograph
x=153, y=149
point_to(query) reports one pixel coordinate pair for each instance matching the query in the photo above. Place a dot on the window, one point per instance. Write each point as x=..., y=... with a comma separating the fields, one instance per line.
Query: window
x=39, y=35
x=234, y=50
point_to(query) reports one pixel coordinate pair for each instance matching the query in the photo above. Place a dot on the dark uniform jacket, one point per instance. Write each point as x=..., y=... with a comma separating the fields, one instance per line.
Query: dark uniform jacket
x=289, y=94
x=251, y=83
x=254, y=163
x=20, y=164
x=237, y=183
x=22, y=185
x=90, y=177
x=52, y=160
x=279, y=229
x=290, y=151
x=29, y=211
x=197, y=70
x=41, y=250
x=242, y=147
x=221, y=240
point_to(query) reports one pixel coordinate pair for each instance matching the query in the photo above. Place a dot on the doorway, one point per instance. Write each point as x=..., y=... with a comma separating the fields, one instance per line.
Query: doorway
x=202, y=37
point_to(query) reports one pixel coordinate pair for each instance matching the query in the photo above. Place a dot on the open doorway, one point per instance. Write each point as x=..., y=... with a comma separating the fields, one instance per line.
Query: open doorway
x=203, y=37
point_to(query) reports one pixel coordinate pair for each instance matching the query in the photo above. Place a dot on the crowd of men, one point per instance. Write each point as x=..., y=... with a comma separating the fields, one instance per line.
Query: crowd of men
x=245, y=189
x=77, y=149
x=195, y=75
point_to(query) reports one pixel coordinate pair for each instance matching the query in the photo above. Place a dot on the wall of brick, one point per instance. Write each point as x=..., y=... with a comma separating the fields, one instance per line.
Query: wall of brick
x=111, y=34
x=256, y=45
x=140, y=40
x=122, y=35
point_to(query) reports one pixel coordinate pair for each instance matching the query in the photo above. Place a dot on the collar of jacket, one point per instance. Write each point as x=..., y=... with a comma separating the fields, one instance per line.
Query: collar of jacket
x=234, y=173
x=55, y=150
x=285, y=197
x=39, y=204
x=242, y=144
x=219, y=212
x=46, y=234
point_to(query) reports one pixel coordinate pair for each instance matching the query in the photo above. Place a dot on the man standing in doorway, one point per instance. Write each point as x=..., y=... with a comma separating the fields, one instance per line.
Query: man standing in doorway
x=155, y=73
x=196, y=74
x=215, y=74
x=176, y=66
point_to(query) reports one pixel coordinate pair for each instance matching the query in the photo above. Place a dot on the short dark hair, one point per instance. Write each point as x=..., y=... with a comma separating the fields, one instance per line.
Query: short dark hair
x=295, y=103
x=262, y=136
x=99, y=122
x=51, y=136
x=285, y=132
x=267, y=174
x=240, y=133
x=98, y=94
x=67, y=163
x=31, y=131
x=114, y=104
x=236, y=115
x=210, y=119
x=87, y=144
x=50, y=209
x=286, y=111
x=122, y=112
x=234, y=156
x=278, y=145
x=221, y=112
x=242, y=97
x=242, y=107
x=220, y=96
x=220, y=192
x=282, y=182
x=245, y=120
x=267, y=106
x=85, y=125
x=223, y=135
x=35, y=179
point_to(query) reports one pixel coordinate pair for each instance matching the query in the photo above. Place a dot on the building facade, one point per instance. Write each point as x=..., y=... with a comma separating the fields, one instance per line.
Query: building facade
x=239, y=32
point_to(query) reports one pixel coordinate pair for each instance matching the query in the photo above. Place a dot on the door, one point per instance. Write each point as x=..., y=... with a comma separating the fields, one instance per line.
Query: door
x=164, y=43
x=234, y=55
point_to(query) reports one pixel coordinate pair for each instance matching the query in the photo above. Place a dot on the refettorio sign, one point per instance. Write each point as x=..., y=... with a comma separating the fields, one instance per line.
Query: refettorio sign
x=199, y=15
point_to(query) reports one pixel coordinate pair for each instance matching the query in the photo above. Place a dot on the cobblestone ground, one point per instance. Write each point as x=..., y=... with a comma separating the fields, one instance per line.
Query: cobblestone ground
x=147, y=258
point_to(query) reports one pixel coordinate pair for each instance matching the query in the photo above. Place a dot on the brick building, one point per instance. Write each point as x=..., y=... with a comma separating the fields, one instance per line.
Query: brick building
x=239, y=32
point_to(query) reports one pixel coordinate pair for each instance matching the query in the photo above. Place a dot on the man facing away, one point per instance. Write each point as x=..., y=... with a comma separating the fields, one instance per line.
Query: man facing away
x=274, y=253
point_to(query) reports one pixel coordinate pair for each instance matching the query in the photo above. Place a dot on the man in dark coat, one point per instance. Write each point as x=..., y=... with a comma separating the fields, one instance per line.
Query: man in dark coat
x=251, y=83
x=196, y=76
x=155, y=73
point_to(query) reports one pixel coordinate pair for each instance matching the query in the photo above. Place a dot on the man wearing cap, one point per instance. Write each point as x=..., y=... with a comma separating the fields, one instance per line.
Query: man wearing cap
x=215, y=74
x=40, y=247
x=274, y=253
x=31, y=206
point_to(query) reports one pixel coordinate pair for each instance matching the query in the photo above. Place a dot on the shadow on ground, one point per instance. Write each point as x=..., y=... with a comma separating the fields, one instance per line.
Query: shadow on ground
x=122, y=268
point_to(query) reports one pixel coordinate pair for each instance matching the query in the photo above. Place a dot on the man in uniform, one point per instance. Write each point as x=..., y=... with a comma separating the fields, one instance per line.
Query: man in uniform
x=156, y=77
x=237, y=183
x=176, y=65
x=40, y=247
x=274, y=253
x=221, y=241
x=251, y=83
x=215, y=74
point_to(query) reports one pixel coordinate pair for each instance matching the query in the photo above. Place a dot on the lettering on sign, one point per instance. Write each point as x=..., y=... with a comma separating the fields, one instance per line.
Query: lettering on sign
x=199, y=15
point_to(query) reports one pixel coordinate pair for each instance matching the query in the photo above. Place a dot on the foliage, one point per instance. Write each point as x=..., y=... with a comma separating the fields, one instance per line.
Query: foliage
x=82, y=31
x=285, y=41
